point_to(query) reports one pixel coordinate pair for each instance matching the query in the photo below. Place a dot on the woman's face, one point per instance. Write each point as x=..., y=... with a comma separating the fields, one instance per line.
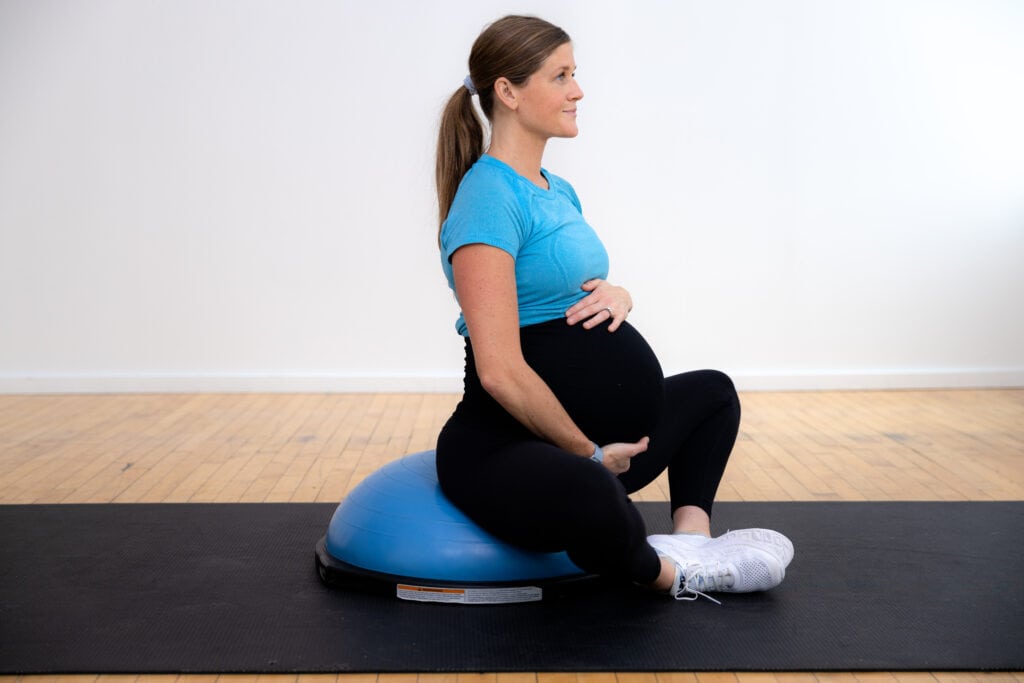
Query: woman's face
x=547, y=101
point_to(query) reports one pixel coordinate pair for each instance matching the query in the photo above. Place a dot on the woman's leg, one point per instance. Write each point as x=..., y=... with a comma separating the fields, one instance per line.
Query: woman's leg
x=693, y=439
x=536, y=496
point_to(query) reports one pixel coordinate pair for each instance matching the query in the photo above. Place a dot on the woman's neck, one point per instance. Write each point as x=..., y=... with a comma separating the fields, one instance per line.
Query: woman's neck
x=523, y=153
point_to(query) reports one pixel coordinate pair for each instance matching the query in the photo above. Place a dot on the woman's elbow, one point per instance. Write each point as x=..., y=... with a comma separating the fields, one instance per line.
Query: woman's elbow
x=498, y=380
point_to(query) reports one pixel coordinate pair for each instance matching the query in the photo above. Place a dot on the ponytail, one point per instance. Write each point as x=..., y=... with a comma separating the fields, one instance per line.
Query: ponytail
x=459, y=144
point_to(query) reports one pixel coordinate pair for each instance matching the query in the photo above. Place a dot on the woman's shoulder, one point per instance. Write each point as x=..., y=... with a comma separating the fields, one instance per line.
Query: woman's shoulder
x=488, y=183
x=491, y=183
x=489, y=207
x=495, y=175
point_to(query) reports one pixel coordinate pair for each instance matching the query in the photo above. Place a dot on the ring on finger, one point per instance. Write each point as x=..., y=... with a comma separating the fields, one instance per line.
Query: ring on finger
x=609, y=309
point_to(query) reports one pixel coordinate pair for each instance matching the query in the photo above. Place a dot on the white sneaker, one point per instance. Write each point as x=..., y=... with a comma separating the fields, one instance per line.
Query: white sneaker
x=733, y=565
x=772, y=541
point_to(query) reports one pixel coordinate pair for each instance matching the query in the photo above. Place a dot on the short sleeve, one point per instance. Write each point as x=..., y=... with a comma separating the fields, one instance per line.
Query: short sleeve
x=486, y=210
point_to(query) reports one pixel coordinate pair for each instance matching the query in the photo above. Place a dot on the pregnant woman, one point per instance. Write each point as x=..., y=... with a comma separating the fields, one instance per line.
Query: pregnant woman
x=566, y=410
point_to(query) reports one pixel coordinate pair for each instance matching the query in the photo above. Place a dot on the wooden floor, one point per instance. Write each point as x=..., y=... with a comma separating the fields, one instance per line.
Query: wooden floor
x=921, y=445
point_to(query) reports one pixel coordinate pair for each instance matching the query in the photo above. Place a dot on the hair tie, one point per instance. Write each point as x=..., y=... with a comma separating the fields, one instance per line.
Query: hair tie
x=468, y=82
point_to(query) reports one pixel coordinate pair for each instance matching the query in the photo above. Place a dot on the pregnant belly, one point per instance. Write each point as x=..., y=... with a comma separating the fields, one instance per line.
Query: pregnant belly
x=610, y=383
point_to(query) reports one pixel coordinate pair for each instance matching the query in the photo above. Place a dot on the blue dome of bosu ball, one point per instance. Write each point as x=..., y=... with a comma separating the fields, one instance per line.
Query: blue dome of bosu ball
x=396, y=528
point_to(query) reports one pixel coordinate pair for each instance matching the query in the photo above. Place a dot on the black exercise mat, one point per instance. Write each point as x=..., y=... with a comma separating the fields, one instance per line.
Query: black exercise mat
x=232, y=588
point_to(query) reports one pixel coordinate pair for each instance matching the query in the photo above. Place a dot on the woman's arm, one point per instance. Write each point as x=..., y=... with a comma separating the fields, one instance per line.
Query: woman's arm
x=485, y=284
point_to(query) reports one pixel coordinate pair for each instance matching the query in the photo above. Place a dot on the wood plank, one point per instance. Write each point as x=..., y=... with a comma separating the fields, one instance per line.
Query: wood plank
x=898, y=445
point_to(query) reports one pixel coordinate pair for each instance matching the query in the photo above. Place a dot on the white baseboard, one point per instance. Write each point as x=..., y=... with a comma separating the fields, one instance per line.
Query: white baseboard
x=412, y=383
x=229, y=384
x=963, y=378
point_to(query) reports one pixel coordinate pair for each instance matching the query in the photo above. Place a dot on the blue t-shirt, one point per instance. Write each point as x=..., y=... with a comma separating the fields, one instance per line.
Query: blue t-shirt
x=554, y=249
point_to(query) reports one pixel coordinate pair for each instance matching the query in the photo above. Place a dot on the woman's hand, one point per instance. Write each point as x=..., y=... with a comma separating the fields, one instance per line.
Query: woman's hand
x=605, y=302
x=618, y=455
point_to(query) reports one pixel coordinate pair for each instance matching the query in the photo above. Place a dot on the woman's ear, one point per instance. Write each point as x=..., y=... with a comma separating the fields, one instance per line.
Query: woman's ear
x=505, y=93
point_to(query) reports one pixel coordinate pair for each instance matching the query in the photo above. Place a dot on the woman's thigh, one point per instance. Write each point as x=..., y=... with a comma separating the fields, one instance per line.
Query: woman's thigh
x=536, y=496
x=527, y=492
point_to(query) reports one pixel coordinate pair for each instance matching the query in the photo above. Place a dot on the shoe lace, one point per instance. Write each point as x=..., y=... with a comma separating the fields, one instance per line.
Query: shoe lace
x=704, y=577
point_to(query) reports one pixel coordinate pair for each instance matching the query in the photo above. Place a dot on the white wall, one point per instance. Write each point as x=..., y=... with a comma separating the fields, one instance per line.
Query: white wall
x=237, y=195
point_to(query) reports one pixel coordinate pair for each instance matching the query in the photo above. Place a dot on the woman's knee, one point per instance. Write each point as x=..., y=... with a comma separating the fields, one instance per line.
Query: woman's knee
x=726, y=390
x=713, y=387
x=719, y=384
x=614, y=543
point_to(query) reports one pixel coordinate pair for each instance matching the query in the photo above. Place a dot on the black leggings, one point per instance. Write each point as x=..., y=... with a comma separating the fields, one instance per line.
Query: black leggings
x=535, y=495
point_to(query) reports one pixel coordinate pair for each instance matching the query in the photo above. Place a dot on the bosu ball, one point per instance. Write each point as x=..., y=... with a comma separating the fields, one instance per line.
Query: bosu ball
x=396, y=532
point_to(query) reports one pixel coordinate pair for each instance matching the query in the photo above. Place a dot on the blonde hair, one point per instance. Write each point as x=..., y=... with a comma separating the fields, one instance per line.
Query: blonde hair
x=513, y=47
